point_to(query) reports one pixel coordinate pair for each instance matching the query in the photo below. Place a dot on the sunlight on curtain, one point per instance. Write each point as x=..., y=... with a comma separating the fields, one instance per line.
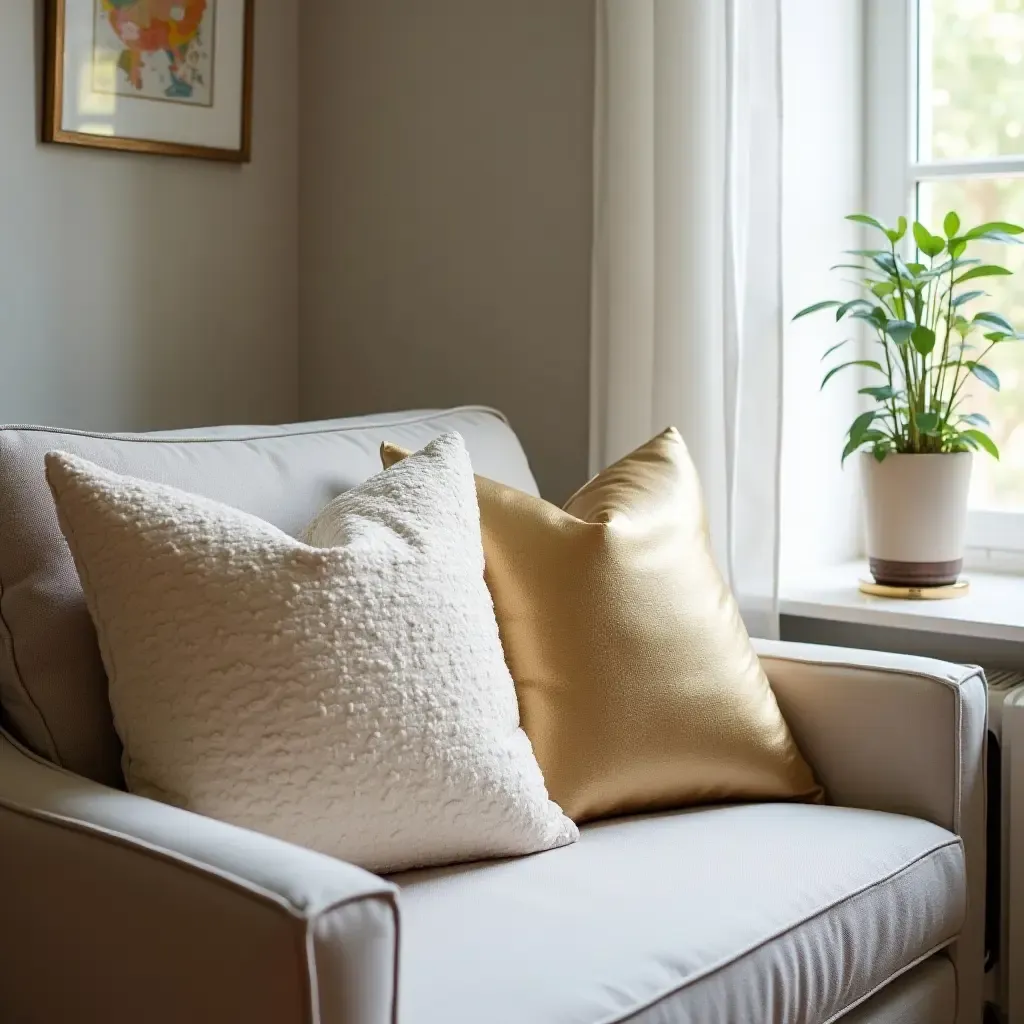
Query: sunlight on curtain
x=686, y=324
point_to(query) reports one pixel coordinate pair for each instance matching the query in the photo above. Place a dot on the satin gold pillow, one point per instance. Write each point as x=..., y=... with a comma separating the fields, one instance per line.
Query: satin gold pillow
x=637, y=682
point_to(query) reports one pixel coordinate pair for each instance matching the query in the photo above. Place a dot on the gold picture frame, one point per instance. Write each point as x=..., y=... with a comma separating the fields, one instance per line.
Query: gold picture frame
x=133, y=76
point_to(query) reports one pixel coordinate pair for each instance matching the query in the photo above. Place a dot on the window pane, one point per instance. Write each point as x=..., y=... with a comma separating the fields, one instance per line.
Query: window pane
x=995, y=485
x=971, y=66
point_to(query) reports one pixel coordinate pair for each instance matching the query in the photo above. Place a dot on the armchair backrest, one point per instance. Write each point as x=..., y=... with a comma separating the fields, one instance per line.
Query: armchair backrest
x=53, y=690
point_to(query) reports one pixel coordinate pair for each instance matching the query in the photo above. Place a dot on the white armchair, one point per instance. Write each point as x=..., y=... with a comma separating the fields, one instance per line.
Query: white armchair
x=147, y=912
x=118, y=909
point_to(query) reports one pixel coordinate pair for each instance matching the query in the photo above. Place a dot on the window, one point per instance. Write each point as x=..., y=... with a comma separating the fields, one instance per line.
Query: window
x=946, y=131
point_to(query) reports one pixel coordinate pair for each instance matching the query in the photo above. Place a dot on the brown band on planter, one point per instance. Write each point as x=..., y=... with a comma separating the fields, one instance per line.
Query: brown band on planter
x=915, y=574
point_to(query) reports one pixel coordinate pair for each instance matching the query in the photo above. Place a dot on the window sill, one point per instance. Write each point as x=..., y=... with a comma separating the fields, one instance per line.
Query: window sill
x=992, y=610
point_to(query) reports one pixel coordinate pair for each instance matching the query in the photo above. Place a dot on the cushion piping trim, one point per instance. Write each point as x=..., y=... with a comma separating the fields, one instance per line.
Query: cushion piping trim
x=971, y=672
x=178, y=859
x=839, y=1014
x=425, y=417
x=897, y=974
x=314, y=981
x=715, y=968
x=53, y=750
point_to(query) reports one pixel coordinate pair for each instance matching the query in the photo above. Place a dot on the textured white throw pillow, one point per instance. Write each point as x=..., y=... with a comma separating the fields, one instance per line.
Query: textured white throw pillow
x=351, y=696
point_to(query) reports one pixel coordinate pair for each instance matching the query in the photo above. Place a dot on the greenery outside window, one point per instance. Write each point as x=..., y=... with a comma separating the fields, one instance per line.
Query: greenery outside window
x=946, y=132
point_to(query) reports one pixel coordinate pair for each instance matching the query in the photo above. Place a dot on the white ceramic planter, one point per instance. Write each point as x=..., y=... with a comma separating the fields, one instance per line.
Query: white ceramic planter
x=915, y=511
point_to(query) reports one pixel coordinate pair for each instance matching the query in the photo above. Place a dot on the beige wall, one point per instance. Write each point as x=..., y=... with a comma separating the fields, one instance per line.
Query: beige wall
x=141, y=292
x=446, y=212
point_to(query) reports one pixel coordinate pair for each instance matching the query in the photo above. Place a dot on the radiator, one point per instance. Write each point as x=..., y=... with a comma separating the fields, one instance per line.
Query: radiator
x=1004, y=920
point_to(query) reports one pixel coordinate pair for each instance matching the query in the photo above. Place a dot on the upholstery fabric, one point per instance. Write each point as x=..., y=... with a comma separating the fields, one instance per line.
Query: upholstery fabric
x=123, y=910
x=53, y=691
x=851, y=711
x=926, y=994
x=637, y=682
x=186, y=959
x=350, y=697
x=786, y=913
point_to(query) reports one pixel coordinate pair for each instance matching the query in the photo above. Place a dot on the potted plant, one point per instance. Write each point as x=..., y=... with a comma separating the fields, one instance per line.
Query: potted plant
x=918, y=439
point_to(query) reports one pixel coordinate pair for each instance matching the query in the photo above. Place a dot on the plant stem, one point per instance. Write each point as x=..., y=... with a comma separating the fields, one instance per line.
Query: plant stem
x=892, y=401
x=908, y=374
x=940, y=377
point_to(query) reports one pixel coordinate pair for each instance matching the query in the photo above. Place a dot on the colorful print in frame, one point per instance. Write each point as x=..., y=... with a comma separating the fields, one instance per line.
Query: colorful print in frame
x=154, y=76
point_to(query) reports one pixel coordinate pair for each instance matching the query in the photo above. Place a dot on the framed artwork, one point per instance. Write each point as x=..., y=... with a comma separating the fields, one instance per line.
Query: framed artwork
x=152, y=76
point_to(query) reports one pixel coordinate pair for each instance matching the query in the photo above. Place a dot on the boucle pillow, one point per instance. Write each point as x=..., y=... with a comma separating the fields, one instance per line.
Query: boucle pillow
x=637, y=681
x=351, y=698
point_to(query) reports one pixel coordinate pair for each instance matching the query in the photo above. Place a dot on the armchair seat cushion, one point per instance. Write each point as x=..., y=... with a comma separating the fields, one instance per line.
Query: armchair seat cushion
x=742, y=913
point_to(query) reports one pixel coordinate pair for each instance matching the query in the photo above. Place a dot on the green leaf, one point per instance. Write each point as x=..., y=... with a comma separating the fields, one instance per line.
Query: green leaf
x=857, y=431
x=853, y=266
x=984, y=374
x=951, y=225
x=981, y=440
x=900, y=330
x=852, y=304
x=928, y=423
x=928, y=243
x=967, y=297
x=999, y=236
x=995, y=320
x=883, y=288
x=962, y=325
x=985, y=270
x=957, y=248
x=869, y=363
x=975, y=419
x=865, y=252
x=828, y=304
x=994, y=225
x=903, y=270
x=851, y=446
x=882, y=393
x=901, y=229
x=877, y=317
x=863, y=218
x=833, y=348
x=886, y=262
x=949, y=265
x=923, y=339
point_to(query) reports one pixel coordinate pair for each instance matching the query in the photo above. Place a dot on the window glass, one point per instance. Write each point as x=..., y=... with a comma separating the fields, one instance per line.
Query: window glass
x=971, y=67
x=995, y=485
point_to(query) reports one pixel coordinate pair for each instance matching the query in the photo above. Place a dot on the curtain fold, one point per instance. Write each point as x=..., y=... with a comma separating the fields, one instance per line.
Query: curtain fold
x=686, y=317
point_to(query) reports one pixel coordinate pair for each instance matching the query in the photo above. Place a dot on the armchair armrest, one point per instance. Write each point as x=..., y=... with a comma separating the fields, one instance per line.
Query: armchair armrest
x=903, y=734
x=121, y=908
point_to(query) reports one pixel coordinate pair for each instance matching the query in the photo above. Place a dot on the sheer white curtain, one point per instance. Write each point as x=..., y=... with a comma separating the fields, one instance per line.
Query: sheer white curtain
x=687, y=326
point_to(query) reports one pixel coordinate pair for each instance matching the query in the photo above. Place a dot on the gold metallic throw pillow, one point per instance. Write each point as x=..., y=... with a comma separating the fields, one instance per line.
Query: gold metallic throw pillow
x=637, y=682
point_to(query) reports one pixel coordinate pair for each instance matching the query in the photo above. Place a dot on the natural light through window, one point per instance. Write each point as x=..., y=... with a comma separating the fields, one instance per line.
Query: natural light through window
x=969, y=140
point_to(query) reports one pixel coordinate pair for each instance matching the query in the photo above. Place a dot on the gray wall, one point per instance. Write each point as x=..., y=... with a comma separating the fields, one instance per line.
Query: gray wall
x=446, y=212
x=140, y=292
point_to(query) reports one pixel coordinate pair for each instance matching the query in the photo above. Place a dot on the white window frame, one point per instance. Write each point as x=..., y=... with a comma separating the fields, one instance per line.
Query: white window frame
x=892, y=173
